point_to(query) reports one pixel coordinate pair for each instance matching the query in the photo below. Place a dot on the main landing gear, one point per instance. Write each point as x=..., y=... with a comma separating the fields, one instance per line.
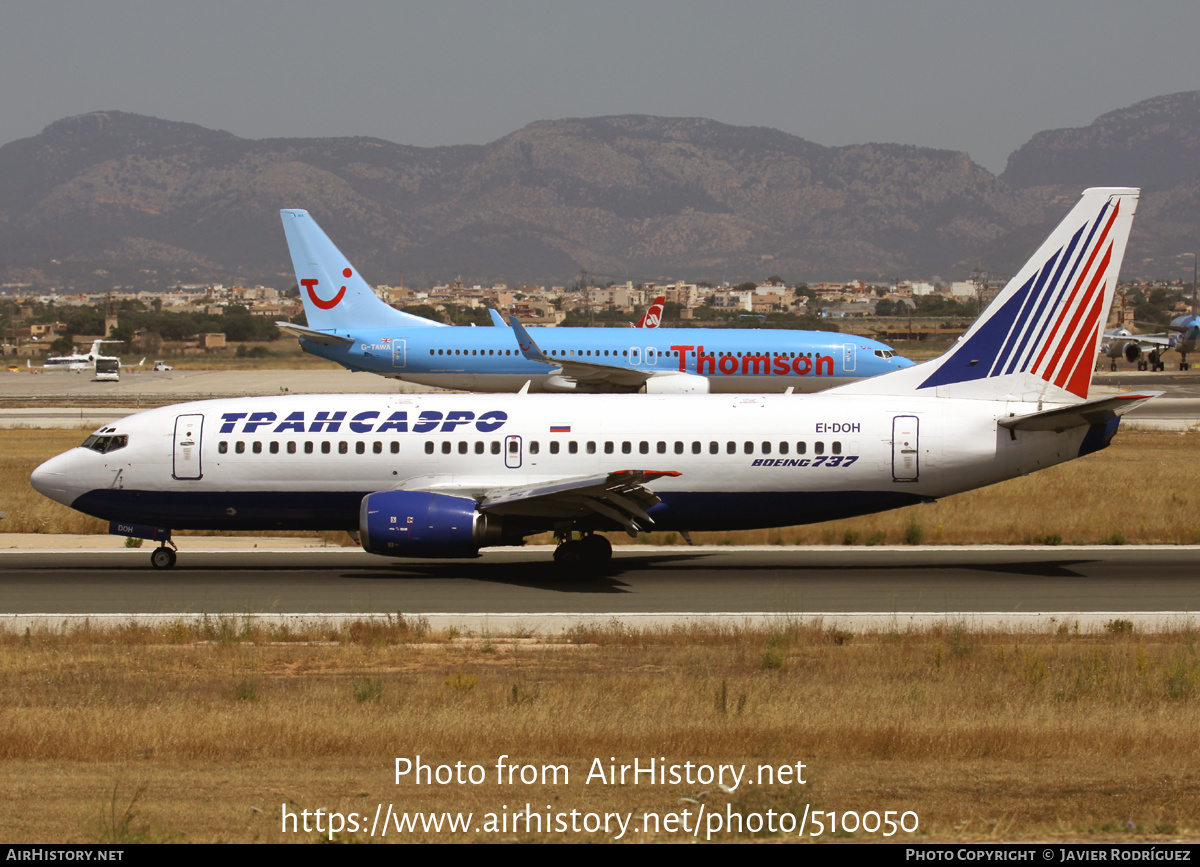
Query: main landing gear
x=591, y=550
x=163, y=557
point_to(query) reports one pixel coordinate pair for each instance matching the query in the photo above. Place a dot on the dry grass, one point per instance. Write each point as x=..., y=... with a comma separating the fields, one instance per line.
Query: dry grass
x=1128, y=493
x=983, y=734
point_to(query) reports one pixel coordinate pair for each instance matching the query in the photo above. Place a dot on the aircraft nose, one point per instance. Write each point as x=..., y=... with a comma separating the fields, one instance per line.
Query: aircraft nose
x=901, y=362
x=52, y=479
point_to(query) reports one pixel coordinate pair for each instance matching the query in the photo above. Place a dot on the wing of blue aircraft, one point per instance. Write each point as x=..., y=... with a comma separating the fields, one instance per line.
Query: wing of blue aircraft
x=581, y=371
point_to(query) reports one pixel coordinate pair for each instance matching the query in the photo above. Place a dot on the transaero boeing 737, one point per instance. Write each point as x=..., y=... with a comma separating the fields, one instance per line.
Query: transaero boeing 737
x=446, y=475
x=349, y=324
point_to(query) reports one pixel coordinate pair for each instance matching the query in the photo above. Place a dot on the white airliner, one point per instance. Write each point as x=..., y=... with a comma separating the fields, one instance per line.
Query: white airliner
x=445, y=475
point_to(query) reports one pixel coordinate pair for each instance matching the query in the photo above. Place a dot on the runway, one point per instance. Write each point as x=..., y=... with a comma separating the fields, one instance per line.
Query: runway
x=644, y=582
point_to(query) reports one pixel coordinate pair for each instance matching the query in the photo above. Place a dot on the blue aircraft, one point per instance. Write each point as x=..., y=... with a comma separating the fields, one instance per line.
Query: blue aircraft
x=349, y=324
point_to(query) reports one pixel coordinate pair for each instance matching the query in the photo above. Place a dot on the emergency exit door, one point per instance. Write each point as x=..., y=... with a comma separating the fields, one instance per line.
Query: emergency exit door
x=906, y=448
x=189, y=430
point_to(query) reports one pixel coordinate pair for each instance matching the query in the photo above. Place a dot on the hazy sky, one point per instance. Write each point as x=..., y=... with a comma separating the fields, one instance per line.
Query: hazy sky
x=973, y=76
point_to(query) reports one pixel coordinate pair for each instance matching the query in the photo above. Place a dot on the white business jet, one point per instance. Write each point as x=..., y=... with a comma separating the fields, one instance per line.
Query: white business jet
x=446, y=475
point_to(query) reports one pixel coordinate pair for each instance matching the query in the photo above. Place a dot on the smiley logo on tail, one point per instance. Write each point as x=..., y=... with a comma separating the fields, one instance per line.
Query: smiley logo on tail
x=312, y=295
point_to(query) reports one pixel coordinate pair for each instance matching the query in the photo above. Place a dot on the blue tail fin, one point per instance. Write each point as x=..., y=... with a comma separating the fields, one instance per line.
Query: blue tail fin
x=335, y=296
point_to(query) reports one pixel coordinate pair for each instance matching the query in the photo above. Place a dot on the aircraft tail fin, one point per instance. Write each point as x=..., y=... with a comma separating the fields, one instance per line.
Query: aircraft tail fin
x=653, y=315
x=1037, y=340
x=335, y=296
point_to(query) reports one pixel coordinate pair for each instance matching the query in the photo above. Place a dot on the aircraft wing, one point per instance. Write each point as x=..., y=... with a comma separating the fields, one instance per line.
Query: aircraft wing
x=497, y=319
x=620, y=496
x=312, y=334
x=1095, y=411
x=581, y=371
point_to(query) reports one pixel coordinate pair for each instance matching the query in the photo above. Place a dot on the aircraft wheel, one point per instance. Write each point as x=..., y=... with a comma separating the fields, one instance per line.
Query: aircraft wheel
x=162, y=558
x=597, y=549
x=569, y=553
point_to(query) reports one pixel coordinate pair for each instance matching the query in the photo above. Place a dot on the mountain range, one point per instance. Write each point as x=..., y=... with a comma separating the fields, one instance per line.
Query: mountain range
x=115, y=197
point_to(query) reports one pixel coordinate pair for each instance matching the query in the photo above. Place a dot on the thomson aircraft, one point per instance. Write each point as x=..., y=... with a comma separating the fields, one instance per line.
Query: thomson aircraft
x=446, y=475
x=349, y=324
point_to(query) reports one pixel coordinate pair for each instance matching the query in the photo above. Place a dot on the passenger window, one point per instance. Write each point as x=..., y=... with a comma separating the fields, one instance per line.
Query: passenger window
x=661, y=448
x=714, y=448
x=696, y=447
x=573, y=447
x=496, y=447
x=533, y=447
x=818, y=448
x=360, y=448
x=748, y=447
x=446, y=447
x=837, y=448
x=291, y=447
x=462, y=447
x=678, y=447
x=783, y=448
x=308, y=448
x=222, y=447
x=343, y=447
x=239, y=447
x=513, y=447
x=766, y=448
x=731, y=447
x=428, y=448
x=553, y=447
x=395, y=447
x=326, y=447
x=479, y=447
x=608, y=447
x=377, y=447
x=626, y=447
x=801, y=448
x=643, y=448
x=591, y=448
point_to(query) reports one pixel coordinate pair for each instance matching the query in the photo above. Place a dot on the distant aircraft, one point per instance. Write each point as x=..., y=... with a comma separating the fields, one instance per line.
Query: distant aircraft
x=350, y=325
x=1144, y=350
x=79, y=361
x=653, y=315
x=447, y=474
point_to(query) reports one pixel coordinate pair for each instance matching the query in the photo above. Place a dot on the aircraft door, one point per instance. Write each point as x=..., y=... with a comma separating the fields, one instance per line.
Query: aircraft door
x=905, y=449
x=848, y=358
x=635, y=355
x=512, y=452
x=398, y=350
x=651, y=356
x=188, y=439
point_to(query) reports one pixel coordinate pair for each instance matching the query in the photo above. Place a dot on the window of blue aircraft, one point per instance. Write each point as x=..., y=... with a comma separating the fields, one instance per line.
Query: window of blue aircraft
x=608, y=447
x=308, y=448
x=291, y=447
x=496, y=447
x=446, y=447
x=256, y=447
x=239, y=447
x=463, y=447
x=222, y=447
x=818, y=448
x=553, y=447
x=573, y=447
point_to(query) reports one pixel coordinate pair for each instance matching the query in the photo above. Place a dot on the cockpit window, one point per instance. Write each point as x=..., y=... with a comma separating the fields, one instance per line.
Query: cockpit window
x=106, y=444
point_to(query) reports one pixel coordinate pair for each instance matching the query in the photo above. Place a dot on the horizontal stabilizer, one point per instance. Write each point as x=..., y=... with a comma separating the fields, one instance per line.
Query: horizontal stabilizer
x=1100, y=410
x=312, y=334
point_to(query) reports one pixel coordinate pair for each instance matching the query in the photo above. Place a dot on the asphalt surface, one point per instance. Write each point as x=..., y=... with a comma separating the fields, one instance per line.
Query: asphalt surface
x=675, y=580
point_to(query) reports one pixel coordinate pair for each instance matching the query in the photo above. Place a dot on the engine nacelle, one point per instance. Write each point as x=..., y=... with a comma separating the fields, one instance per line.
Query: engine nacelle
x=676, y=383
x=1133, y=353
x=420, y=524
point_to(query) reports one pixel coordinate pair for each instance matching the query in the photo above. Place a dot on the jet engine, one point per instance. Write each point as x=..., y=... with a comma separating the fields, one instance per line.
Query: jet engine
x=421, y=524
x=676, y=383
x=1133, y=353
